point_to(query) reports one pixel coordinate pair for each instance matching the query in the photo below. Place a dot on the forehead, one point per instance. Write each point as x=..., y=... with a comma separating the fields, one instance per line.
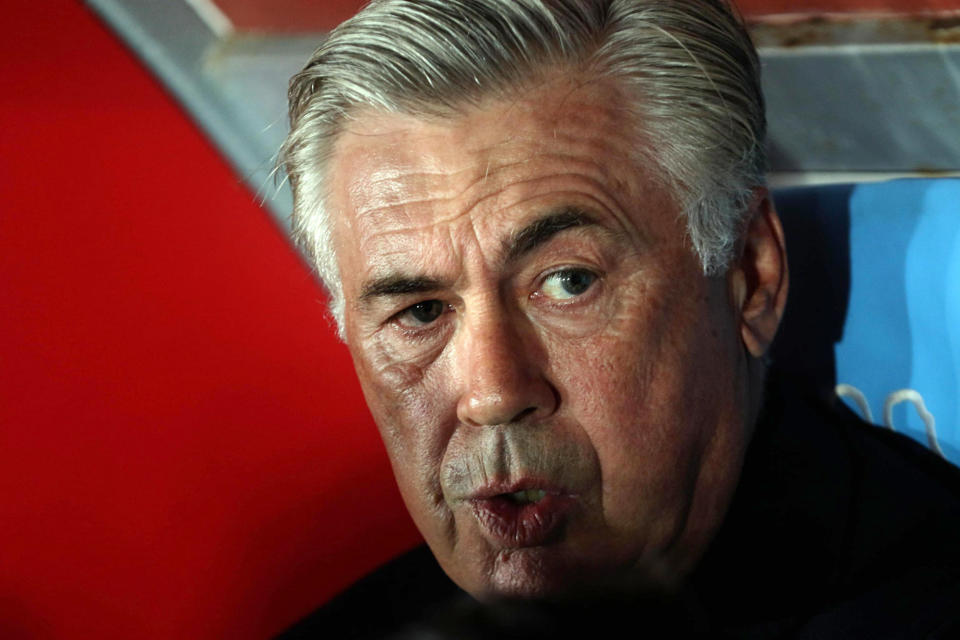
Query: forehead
x=398, y=181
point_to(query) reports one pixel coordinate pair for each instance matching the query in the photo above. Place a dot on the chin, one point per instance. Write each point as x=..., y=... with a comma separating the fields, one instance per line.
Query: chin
x=541, y=573
x=544, y=574
x=527, y=573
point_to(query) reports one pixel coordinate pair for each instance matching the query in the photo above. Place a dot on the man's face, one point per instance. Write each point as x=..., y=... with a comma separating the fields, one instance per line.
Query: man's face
x=560, y=389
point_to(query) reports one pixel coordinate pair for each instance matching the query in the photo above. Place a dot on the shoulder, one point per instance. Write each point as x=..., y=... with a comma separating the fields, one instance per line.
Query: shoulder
x=855, y=525
x=901, y=577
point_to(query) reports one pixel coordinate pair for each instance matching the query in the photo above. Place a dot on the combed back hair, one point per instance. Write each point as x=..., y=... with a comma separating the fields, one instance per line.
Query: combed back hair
x=687, y=66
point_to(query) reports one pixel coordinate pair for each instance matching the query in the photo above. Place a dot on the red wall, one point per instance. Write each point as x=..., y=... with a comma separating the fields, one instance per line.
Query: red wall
x=752, y=8
x=311, y=15
x=184, y=452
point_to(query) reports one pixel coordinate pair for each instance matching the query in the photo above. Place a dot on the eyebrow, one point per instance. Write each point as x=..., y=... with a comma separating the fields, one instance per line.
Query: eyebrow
x=515, y=246
x=398, y=285
x=542, y=230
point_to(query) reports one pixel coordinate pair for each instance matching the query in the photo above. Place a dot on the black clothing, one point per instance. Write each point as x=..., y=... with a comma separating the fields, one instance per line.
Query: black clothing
x=838, y=529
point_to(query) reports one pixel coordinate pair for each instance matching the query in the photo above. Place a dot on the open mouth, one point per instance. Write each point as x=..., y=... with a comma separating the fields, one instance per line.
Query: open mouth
x=523, y=518
x=527, y=496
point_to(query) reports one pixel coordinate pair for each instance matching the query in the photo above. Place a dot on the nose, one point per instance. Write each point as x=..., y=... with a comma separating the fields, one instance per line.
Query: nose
x=501, y=366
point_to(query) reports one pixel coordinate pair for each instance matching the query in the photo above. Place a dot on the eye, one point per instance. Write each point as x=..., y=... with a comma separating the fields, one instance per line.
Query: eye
x=421, y=314
x=567, y=283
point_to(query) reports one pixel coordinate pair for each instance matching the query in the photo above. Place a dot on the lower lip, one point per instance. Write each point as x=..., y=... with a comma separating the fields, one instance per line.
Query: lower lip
x=514, y=526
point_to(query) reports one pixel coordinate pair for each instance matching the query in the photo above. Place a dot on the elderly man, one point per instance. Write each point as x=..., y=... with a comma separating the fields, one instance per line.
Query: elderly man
x=547, y=242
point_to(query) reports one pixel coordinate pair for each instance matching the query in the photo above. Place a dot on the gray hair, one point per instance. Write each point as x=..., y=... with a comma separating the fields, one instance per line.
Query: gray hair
x=689, y=64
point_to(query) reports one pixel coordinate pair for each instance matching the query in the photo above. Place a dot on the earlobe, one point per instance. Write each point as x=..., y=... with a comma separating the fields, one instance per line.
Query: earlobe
x=759, y=279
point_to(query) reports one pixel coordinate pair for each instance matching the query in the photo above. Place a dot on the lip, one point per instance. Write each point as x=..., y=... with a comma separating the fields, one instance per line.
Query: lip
x=508, y=524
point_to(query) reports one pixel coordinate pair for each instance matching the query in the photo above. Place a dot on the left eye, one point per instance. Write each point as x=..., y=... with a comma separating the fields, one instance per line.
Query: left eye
x=421, y=314
x=568, y=284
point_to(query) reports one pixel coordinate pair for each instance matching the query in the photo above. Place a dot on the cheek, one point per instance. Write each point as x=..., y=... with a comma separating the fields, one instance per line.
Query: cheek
x=416, y=418
x=645, y=433
x=646, y=393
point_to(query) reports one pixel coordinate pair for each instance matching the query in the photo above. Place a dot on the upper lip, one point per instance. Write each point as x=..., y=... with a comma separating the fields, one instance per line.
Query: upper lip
x=495, y=489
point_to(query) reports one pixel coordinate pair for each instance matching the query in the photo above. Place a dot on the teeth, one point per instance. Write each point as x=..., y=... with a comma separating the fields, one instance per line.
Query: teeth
x=529, y=495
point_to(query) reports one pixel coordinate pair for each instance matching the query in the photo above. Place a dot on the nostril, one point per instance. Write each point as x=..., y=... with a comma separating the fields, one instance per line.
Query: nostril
x=523, y=414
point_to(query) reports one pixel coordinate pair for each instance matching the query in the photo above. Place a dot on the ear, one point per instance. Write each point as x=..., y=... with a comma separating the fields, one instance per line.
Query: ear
x=758, y=280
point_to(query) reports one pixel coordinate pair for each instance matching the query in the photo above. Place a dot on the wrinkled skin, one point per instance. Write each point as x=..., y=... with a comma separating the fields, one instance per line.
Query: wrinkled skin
x=596, y=364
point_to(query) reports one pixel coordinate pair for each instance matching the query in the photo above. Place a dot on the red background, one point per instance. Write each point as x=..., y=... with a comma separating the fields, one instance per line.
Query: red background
x=184, y=452
x=314, y=15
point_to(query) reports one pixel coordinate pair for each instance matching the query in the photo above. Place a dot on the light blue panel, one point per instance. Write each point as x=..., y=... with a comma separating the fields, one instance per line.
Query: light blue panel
x=874, y=354
x=933, y=279
x=903, y=320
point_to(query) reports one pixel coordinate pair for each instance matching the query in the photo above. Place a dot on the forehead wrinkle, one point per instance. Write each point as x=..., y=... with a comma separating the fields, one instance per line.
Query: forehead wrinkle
x=447, y=208
x=387, y=182
x=439, y=198
x=403, y=222
x=605, y=200
x=600, y=173
x=370, y=200
x=387, y=243
x=373, y=243
x=526, y=181
x=396, y=175
x=426, y=251
x=593, y=149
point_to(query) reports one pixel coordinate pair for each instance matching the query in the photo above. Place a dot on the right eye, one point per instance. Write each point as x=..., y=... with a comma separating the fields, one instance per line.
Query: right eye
x=421, y=314
x=567, y=284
